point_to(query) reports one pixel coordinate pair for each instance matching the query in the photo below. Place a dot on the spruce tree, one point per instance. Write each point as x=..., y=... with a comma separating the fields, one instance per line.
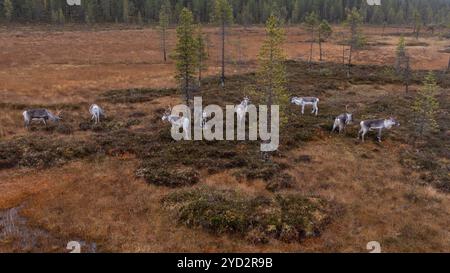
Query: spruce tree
x=407, y=73
x=9, y=9
x=425, y=107
x=311, y=23
x=61, y=17
x=400, y=54
x=448, y=66
x=202, y=54
x=417, y=20
x=353, y=21
x=164, y=15
x=223, y=15
x=271, y=74
x=185, y=54
x=325, y=32
x=90, y=12
x=125, y=11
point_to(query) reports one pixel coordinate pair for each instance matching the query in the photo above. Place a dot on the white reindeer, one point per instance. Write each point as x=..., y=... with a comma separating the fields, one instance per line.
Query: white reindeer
x=307, y=101
x=96, y=113
x=177, y=121
x=342, y=121
x=41, y=115
x=242, y=109
x=378, y=124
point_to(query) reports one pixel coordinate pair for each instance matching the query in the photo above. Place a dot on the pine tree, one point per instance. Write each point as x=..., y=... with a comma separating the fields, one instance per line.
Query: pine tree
x=311, y=23
x=140, y=21
x=271, y=75
x=425, y=107
x=202, y=54
x=417, y=23
x=400, y=54
x=61, y=17
x=297, y=12
x=247, y=17
x=353, y=21
x=125, y=11
x=407, y=73
x=223, y=15
x=325, y=32
x=9, y=9
x=255, y=11
x=164, y=15
x=90, y=12
x=185, y=53
x=448, y=66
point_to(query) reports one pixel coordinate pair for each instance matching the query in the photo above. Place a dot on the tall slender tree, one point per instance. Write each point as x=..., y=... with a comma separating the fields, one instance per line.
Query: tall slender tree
x=8, y=9
x=311, y=23
x=448, y=66
x=223, y=15
x=202, y=53
x=271, y=75
x=400, y=54
x=353, y=21
x=325, y=32
x=425, y=107
x=185, y=54
x=407, y=73
x=126, y=11
x=164, y=15
x=417, y=21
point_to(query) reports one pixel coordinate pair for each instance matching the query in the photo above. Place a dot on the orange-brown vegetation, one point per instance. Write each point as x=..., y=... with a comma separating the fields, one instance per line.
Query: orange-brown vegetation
x=98, y=198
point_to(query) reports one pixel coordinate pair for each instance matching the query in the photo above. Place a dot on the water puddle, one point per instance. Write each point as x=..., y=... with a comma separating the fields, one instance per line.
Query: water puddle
x=16, y=235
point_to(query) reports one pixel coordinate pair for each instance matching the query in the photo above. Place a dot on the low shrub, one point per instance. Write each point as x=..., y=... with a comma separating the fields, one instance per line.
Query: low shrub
x=135, y=95
x=169, y=178
x=284, y=217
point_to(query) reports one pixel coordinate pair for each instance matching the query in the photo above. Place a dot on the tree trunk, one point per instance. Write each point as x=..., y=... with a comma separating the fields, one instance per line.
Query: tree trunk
x=320, y=47
x=266, y=155
x=311, y=49
x=407, y=73
x=186, y=88
x=200, y=64
x=448, y=67
x=164, y=45
x=222, y=80
x=349, y=61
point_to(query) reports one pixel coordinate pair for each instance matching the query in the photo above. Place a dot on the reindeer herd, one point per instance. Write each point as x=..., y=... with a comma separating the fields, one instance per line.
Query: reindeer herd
x=345, y=119
x=340, y=122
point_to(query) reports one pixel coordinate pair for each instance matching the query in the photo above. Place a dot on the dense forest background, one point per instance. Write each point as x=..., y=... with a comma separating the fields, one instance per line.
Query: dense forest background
x=244, y=11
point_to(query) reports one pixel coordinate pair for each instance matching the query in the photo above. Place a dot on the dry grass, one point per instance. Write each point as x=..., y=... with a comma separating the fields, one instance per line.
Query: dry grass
x=74, y=66
x=380, y=197
x=100, y=200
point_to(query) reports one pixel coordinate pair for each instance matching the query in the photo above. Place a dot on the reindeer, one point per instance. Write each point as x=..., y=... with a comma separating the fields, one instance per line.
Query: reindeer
x=342, y=121
x=307, y=101
x=179, y=122
x=378, y=124
x=40, y=114
x=96, y=113
x=242, y=108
